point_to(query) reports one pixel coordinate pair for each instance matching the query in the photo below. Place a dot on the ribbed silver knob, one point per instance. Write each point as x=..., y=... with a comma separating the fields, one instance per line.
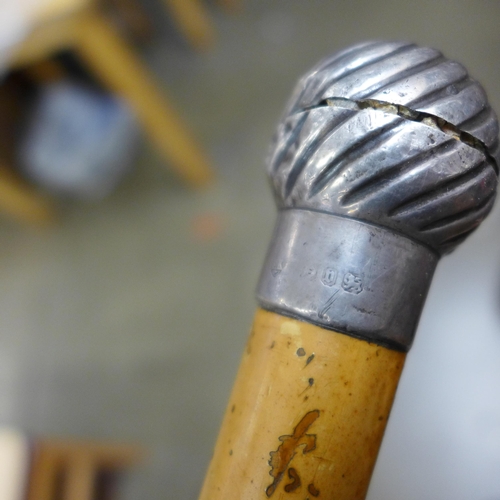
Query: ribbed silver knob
x=393, y=134
x=386, y=158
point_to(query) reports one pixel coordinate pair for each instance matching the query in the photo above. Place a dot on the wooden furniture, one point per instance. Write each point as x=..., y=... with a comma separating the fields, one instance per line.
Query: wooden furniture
x=14, y=464
x=194, y=22
x=79, y=25
x=69, y=470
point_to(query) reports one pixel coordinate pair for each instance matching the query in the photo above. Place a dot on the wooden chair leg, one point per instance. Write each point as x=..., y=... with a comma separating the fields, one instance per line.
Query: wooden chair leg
x=193, y=21
x=68, y=469
x=42, y=485
x=113, y=62
x=22, y=202
x=80, y=478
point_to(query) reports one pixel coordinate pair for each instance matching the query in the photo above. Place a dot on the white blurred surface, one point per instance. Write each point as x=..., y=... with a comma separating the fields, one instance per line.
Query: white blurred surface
x=15, y=23
x=14, y=464
x=19, y=17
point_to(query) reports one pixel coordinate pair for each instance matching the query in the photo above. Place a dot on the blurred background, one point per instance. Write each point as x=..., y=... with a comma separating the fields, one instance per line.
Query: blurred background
x=135, y=216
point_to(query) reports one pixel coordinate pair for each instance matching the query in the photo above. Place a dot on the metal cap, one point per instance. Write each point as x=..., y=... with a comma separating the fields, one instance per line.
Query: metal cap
x=385, y=159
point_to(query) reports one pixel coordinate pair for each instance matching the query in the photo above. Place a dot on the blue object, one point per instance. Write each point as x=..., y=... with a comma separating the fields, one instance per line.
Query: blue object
x=79, y=141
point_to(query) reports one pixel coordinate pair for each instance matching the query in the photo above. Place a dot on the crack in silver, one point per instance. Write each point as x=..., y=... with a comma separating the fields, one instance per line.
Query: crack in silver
x=416, y=116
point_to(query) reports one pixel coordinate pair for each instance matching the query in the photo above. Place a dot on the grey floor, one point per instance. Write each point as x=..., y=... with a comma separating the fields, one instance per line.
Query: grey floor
x=120, y=323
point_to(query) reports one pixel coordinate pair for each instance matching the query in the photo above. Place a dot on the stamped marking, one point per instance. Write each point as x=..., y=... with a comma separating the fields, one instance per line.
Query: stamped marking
x=278, y=269
x=281, y=458
x=352, y=283
x=309, y=273
x=329, y=276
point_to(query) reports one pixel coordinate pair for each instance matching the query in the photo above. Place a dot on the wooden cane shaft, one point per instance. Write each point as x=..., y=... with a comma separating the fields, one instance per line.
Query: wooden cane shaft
x=315, y=402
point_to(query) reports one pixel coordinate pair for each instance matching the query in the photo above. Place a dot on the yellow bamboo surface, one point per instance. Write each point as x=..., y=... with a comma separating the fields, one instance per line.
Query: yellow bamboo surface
x=306, y=415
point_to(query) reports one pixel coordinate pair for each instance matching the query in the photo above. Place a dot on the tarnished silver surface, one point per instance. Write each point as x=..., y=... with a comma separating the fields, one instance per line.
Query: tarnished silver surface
x=380, y=167
x=393, y=135
x=347, y=275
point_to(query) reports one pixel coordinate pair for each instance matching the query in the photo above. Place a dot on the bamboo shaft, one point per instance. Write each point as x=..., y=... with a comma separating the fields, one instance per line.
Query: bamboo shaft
x=306, y=416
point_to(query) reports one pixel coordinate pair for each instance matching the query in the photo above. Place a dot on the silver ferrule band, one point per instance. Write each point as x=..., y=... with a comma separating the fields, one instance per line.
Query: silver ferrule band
x=346, y=275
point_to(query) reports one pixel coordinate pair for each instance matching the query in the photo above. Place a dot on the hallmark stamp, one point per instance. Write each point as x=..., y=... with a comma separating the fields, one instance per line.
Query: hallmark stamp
x=309, y=272
x=352, y=283
x=329, y=276
x=275, y=271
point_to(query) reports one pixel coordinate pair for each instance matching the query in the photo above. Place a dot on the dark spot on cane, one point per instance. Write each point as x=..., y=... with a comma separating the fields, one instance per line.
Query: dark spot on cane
x=311, y=381
x=233, y=408
x=309, y=359
x=296, y=482
x=290, y=444
x=272, y=345
x=230, y=452
x=301, y=352
x=313, y=490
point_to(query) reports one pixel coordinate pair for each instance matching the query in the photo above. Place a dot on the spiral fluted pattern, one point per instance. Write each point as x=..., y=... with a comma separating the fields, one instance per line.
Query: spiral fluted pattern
x=393, y=134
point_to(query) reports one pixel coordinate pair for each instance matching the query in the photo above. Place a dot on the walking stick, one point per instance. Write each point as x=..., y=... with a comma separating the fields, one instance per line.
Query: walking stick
x=384, y=161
